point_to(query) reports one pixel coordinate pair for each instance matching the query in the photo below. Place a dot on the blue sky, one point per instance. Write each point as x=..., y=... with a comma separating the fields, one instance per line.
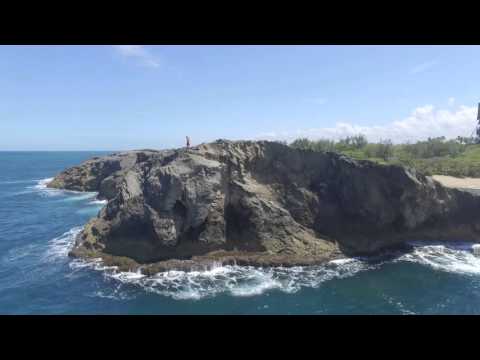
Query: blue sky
x=126, y=97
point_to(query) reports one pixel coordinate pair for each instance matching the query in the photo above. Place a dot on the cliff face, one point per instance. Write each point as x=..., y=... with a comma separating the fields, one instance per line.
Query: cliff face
x=259, y=203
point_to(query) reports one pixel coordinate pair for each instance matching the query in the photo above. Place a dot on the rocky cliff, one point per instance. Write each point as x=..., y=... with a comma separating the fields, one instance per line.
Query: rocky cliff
x=258, y=203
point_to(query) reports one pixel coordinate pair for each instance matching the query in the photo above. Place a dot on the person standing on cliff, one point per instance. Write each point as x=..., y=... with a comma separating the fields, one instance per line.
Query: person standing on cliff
x=188, y=142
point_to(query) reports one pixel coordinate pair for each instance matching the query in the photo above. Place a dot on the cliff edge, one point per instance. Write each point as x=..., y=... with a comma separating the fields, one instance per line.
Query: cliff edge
x=258, y=203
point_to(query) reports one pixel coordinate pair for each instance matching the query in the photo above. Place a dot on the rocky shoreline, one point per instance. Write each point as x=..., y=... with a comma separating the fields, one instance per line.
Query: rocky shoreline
x=257, y=203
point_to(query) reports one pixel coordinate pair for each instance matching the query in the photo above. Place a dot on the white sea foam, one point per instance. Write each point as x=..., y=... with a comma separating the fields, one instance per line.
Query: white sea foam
x=450, y=257
x=398, y=305
x=113, y=294
x=71, y=195
x=42, y=183
x=127, y=276
x=230, y=279
x=341, y=261
x=249, y=281
x=59, y=247
x=98, y=202
x=40, y=187
x=81, y=197
x=43, y=190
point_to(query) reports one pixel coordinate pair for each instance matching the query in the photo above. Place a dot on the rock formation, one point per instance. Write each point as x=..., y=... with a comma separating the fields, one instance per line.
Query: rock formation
x=258, y=203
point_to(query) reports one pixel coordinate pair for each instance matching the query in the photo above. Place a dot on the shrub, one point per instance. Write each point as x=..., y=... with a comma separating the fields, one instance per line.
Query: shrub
x=302, y=144
x=384, y=149
x=321, y=145
x=352, y=143
x=436, y=147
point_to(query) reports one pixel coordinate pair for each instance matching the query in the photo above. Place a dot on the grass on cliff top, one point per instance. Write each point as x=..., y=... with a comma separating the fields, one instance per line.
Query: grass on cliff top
x=437, y=156
x=466, y=164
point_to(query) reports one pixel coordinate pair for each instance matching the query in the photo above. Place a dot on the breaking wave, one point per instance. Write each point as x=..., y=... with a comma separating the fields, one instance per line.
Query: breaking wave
x=41, y=187
x=218, y=279
x=249, y=281
x=65, y=195
x=98, y=202
x=246, y=280
x=43, y=190
x=454, y=258
x=229, y=279
x=81, y=197
x=59, y=247
x=42, y=183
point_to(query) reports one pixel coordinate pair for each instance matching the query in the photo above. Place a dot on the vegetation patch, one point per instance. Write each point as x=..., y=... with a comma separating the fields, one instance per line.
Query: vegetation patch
x=435, y=156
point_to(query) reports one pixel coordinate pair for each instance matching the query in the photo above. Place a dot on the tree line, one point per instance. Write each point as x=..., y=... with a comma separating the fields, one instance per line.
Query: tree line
x=434, y=155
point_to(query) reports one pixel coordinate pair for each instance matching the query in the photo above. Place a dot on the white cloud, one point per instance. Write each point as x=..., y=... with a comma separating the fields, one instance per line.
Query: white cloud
x=140, y=52
x=423, y=122
x=423, y=67
x=451, y=101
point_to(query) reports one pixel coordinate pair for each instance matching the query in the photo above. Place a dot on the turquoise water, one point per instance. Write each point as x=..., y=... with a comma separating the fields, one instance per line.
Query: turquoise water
x=38, y=225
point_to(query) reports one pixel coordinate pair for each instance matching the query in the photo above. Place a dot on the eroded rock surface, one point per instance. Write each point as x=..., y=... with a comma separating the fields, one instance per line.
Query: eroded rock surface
x=258, y=203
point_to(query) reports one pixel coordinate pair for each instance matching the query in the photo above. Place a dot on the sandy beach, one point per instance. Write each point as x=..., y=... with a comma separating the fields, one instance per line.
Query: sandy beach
x=454, y=182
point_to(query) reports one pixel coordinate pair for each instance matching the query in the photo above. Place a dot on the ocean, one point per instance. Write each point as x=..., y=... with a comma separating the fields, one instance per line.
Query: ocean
x=38, y=227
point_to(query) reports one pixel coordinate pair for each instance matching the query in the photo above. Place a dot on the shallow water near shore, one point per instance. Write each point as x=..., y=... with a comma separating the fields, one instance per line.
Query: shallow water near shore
x=38, y=226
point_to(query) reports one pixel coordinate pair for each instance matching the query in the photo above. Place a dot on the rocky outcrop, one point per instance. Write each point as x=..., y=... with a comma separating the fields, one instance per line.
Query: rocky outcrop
x=258, y=203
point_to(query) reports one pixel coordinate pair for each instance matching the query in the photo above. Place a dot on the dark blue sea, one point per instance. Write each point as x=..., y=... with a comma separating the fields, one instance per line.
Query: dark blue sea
x=38, y=226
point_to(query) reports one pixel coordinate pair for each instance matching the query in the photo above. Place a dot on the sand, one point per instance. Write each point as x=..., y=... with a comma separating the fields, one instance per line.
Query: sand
x=454, y=182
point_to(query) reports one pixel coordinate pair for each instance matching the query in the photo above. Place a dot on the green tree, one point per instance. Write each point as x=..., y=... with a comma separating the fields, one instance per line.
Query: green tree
x=385, y=149
x=302, y=144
